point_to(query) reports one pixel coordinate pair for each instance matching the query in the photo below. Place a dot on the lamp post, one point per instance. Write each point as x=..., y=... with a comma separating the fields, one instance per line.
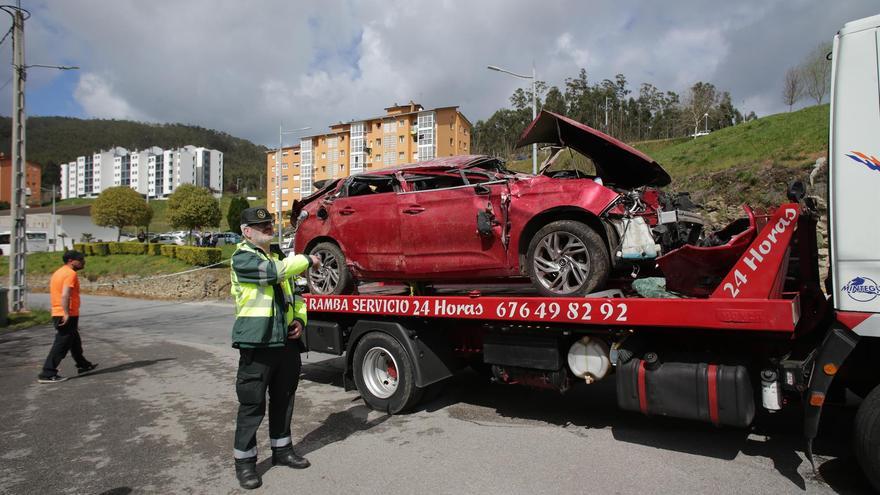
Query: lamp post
x=706, y=126
x=281, y=133
x=534, y=107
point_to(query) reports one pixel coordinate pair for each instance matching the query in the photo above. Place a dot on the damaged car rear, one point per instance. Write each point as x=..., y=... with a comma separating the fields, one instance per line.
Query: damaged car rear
x=469, y=219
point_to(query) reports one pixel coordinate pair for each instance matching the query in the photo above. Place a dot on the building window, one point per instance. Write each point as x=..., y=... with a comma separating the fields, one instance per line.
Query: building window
x=283, y=178
x=378, y=142
x=284, y=190
x=323, y=168
x=401, y=156
x=400, y=139
x=323, y=155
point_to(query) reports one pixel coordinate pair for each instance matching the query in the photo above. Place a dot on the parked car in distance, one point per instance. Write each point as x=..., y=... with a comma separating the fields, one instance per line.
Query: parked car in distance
x=169, y=239
x=228, y=238
x=469, y=219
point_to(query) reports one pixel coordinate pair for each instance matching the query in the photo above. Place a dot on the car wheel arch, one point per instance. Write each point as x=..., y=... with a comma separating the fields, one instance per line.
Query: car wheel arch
x=560, y=213
x=317, y=240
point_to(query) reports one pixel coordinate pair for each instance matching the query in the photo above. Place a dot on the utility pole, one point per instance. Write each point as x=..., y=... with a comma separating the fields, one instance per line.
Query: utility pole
x=18, y=227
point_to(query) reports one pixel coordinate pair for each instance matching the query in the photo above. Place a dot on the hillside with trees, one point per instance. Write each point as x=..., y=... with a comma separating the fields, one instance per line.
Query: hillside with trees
x=52, y=141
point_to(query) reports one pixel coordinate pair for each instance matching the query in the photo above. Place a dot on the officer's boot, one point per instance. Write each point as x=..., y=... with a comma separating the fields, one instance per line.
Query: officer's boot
x=287, y=457
x=246, y=472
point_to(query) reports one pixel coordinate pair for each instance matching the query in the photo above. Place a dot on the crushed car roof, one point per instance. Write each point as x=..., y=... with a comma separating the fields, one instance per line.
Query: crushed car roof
x=616, y=162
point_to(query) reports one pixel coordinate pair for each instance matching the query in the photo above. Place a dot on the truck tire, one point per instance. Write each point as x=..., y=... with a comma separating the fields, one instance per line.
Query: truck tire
x=384, y=375
x=333, y=278
x=567, y=258
x=867, y=437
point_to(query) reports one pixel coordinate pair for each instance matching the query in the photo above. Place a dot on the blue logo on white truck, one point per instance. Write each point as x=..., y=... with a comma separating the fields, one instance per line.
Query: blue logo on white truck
x=862, y=289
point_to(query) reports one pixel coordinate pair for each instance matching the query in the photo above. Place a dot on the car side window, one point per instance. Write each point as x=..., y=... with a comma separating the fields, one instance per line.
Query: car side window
x=433, y=182
x=366, y=185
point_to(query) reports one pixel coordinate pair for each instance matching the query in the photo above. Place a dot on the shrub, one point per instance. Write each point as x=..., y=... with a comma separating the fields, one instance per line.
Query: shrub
x=167, y=250
x=100, y=248
x=154, y=249
x=198, y=256
x=78, y=246
x=128, y=248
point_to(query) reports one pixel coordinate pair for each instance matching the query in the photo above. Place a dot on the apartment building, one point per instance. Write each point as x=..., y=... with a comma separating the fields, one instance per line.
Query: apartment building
x=154, y=172
x=404, y=134
x=32, y=181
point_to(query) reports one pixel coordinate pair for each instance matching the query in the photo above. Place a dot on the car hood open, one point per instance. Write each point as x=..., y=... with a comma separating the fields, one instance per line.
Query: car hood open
x=616, y=163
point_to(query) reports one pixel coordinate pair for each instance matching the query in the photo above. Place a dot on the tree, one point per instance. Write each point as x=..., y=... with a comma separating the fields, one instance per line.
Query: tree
x=554, y=101
x=792, y=87
x=701, y=98
x=120, y=207
x=816, y=72
x=192, y=207
x=233, y=215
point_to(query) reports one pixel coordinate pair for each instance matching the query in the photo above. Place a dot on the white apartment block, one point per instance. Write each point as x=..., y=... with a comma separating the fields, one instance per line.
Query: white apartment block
x=153, y=171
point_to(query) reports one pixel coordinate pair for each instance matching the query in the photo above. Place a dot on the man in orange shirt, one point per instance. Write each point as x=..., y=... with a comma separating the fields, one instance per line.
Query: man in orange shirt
x=64, y=294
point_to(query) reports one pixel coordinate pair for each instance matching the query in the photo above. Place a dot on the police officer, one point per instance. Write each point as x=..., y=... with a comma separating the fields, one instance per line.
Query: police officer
x=269, y=320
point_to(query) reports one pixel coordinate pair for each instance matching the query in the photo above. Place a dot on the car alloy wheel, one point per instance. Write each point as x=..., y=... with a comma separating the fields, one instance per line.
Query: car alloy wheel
x=567, y=258
x=325, y=279
x=333, y=276
x=562, y=262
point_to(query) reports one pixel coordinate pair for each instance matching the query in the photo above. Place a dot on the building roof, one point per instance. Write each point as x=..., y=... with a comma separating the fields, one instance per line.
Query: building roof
x=338, y=127
x=79, y=210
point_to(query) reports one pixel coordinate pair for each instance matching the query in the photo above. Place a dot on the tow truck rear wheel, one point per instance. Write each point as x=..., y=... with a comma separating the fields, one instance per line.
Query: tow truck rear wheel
x=867, y=437
x=567, y=258
x=384, y=375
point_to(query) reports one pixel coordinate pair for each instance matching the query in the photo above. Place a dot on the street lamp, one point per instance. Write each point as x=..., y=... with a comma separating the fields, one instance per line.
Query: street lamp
x=281, y=133
x=706, y=127
x=534, y=107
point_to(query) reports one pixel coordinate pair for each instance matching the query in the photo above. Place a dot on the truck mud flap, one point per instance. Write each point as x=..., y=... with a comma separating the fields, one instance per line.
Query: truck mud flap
x=717, y=394
x=431, y=353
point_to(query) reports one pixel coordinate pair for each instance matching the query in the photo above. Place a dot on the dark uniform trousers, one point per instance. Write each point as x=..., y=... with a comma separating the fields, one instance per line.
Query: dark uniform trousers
x=66, y=339
x=272, y=369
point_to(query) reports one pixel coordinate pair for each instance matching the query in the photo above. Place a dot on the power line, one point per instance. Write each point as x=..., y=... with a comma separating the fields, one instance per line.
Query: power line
x=6, y=83
x=6, y=36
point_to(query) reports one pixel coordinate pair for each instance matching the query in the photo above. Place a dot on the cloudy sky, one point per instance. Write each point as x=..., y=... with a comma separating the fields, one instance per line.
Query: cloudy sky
x=247, y=67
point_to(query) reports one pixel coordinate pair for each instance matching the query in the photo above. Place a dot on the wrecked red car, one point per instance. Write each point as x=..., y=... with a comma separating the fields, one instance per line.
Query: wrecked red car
x=469, y=219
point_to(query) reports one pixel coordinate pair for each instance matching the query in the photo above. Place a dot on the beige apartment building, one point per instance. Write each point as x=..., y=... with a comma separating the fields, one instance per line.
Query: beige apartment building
x=405, y=134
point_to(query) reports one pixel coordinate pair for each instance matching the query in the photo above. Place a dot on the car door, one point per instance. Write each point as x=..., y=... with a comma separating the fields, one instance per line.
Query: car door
x=364, y=220
x=439, y=228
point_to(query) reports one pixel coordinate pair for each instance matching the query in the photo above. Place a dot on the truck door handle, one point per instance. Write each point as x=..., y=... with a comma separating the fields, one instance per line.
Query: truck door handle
x=348, y=210
x=413, y=210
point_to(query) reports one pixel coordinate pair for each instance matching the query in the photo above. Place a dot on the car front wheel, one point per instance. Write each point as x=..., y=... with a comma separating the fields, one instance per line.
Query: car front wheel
x=333, y=277
x=567, y=258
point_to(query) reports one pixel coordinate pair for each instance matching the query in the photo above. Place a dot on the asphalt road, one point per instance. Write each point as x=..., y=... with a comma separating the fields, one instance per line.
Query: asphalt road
x=157, y=417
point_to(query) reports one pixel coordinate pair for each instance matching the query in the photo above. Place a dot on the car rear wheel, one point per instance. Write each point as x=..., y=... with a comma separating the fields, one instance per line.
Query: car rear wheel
x=567, y=258
x=333, y=277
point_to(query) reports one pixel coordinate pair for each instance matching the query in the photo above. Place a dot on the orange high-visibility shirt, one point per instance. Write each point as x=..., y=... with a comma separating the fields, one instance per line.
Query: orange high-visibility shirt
x=64, y=277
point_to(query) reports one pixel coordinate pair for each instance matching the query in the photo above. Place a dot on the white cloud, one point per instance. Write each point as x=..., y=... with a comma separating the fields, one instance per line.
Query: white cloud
x=95, y=94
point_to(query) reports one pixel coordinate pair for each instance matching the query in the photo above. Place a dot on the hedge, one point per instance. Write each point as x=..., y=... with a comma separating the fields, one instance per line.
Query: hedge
x=198, y=255
x=154, y=249
x=167, y=250
x=128, y=248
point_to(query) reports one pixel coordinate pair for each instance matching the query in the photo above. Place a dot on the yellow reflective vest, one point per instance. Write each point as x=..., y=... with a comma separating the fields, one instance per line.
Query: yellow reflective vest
x=262, y=317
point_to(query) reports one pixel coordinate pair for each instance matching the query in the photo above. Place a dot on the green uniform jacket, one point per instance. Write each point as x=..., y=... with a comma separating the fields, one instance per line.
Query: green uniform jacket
x=261, y=320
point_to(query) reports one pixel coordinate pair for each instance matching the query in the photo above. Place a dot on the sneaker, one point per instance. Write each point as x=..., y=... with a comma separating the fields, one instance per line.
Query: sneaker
x=52, y=379
x=87, y=369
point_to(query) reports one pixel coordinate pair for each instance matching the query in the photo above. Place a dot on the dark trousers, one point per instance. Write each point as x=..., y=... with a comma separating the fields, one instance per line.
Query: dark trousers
x=66, y=339
x=275, y=370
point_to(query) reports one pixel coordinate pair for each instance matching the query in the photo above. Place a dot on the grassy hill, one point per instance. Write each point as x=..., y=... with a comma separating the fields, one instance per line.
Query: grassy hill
x=59, y=140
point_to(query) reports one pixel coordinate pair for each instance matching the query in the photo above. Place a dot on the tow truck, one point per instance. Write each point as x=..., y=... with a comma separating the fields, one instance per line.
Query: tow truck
x=766, y=335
